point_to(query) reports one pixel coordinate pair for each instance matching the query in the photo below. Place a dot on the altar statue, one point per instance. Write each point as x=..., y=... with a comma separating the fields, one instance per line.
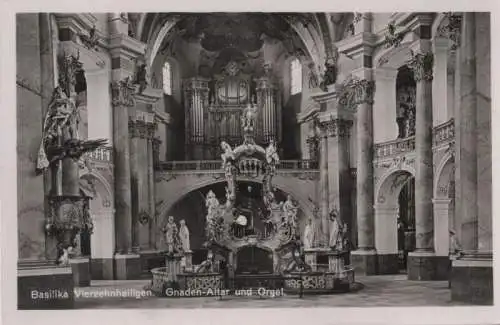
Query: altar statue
x=336, y=235
x=290, y=211
x=272, y=157
x=309, y=234
x=228, y=154
x=184, y=236
x=171, y=234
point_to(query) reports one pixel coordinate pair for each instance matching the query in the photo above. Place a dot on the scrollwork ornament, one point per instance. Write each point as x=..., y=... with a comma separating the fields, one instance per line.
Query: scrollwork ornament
x=421, y=64
x=451, y=29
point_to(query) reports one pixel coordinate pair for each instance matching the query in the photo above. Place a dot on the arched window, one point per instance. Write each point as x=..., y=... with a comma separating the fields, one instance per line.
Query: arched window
x=296, y=77
x=167, y=78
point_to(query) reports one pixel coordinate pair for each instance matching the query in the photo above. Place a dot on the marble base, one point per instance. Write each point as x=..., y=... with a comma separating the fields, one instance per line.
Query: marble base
x=81, y=271
x=364, y=262
x=127, y=267
x=101, y=268
x=423, y=266
x=387, y=264
x=472, y=281
x=45, y=287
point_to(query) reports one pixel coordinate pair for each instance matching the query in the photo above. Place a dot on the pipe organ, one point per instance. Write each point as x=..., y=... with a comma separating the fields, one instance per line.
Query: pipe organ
x=214, y=107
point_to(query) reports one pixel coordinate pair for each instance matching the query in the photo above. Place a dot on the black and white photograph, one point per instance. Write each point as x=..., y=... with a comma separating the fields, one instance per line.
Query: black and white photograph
x=193, y=160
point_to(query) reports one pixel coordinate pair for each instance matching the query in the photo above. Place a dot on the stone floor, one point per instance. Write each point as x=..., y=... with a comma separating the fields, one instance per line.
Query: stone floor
x=387, y=290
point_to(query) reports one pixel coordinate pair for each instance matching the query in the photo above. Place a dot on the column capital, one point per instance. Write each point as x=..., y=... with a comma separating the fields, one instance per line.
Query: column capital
x=142, y=129
x=422, y=65
x=336, y=127
x=122, y=93
x=450, y=29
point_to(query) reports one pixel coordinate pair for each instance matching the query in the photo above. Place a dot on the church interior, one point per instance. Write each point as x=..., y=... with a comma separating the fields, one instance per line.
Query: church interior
x=295, y=151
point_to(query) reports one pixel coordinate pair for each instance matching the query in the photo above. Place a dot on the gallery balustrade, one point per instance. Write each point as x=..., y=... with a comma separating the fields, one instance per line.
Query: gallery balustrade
x=246, y=166
x=443, y=133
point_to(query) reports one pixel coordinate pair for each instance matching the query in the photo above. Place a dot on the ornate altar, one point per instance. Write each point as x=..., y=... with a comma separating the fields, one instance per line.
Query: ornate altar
x=282, y=259
x=214, y=109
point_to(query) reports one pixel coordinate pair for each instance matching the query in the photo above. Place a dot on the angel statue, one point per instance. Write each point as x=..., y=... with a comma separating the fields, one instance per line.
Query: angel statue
x=228, y=154
x=272, y=154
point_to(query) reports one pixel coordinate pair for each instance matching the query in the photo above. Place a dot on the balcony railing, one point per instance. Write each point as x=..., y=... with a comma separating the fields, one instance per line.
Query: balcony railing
x=441, y=134
x=104, y=154
x=217, y=165
x=444, y=132
x=395, y=147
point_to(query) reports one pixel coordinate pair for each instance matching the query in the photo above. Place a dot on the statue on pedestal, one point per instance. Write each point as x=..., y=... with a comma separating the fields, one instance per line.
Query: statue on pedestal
x=336, y=231
x=171, y=234
x=184, y=236
x=309, y=234
x=248, y=118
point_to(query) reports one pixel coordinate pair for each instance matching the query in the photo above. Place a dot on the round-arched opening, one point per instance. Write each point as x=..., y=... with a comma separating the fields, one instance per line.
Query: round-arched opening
x=395, y=218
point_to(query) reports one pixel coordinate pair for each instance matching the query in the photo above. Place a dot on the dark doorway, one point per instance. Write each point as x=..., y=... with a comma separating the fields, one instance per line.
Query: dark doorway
x=406, y=222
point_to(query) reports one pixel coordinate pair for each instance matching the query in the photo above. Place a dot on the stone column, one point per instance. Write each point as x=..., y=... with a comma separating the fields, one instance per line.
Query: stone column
x=441, y=226
x=123, y=49
x=468, y=140
x=386, y=239
x=324, y=188
x=423, y=263
x=136, y=128
x=151, y=192
x=472, y=273
x=440, y=82
x=364, y=257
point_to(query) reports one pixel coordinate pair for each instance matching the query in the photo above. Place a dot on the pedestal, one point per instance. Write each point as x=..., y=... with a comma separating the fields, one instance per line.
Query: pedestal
x=424, y=266
x=45, y=287
x=173, y=265
x=472, y=280
x=336, y=264
x=127, y=267
x=364, y=262
x=81, y=271
x=188, y=261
